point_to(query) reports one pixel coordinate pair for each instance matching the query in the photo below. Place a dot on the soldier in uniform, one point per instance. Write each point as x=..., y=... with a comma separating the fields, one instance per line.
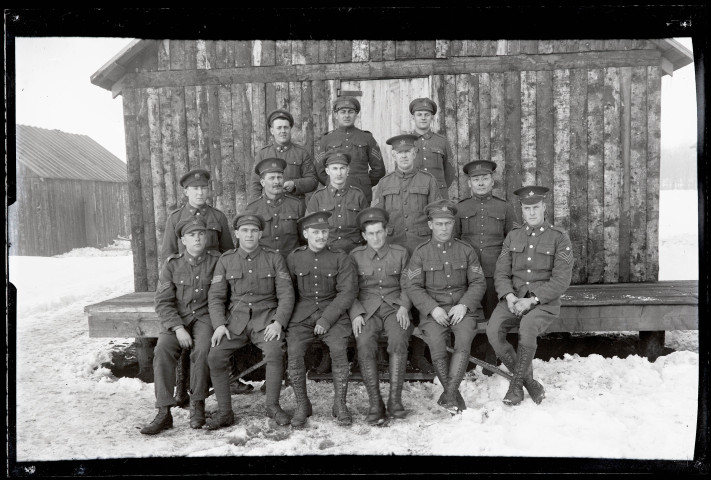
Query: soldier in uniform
x=382, y=305
x=533, y=270
x=433, y=151
x=342, y=200
x=217, y=236
x=446, y=284
x=181, y=305
x=279, y=210
x=252, y=284
x=299, y=174
x=327, y=287
x=366, y=167
x=483, y=221
x=404, y=193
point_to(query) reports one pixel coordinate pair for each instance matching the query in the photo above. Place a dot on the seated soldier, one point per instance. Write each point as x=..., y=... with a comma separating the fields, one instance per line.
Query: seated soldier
x=382, y=305
x=181, y=305
x=327, y=287
x=252, y=283
x=446, y=284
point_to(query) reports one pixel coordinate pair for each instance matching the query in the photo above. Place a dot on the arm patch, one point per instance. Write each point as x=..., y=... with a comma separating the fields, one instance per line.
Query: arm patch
x=477, y=269
x=413, y=273
x=504, y=251
x=566, y=255
x=163, y=286
x=216, y=279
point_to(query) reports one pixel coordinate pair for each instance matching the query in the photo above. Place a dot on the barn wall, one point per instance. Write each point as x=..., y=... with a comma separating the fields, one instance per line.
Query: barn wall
x=578, y=116
x=53, y=216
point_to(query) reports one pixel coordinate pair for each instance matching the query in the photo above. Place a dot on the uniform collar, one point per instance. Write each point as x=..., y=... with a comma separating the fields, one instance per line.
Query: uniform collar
x=538, y=230
x=444, y=245
x=195, y=260
x=402, y=174
x=380, y=253
x=282, y=148
x=350, y=129
x=276, y=202
x=244, y=254
x=194, y=210
x=333, y=190
x=482, y=198
x=427, y=135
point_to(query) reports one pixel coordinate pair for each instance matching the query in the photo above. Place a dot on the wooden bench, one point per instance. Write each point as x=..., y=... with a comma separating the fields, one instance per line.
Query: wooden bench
x=647, y=308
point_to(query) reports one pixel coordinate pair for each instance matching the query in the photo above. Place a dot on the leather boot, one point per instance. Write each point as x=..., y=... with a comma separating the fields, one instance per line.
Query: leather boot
x=442, y=371
x=197, y=413
x=376, y=411
x=535, y=389
x=457, y=368
x=297, y=372
x=340, y=372
x=398, y=364
x=274, y=373
x=223, y=418
x=163, y=421
x=182, y=378
x=514, y=395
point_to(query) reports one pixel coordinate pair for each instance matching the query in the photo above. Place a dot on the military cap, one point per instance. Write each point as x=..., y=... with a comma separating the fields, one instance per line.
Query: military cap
x=279, y=113
x=315, y=220
x=406, y=141
x=270, y=165
x=423, y=104
x=190, y=225
x=346, y=102
x=479, y=167
x=441, y=209
x=338, y=157
x=372, y=214
x=248, y=219
x=197, y=177
x=531, y=194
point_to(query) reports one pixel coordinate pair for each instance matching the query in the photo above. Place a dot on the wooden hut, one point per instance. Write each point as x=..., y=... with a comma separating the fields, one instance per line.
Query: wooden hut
x=581, y=117
x=71, y=193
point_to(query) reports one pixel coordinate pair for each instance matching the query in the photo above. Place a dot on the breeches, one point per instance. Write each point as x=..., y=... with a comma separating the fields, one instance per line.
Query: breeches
x=530, y=326
x=436, y=335
x=385, y=319
x=299, y=336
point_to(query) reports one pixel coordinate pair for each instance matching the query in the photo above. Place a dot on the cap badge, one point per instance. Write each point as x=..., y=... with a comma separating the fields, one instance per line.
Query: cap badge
x=197, y=176
x=530, y=194
x=370, y=215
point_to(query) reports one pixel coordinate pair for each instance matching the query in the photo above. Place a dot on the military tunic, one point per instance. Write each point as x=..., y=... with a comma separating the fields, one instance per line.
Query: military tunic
x=344, y=205
x=280, y=215
x=445, y=274
x=182, y=299
x=534, y=261
x=326, y=287
x=218, y=235
x=404, y=196
x=484, y=222
x=434, y=156
x=299, y=169
x=366, y=167
x=382, y=278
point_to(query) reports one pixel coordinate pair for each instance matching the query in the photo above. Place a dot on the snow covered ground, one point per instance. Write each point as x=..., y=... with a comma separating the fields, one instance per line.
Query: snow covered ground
x=69, y=407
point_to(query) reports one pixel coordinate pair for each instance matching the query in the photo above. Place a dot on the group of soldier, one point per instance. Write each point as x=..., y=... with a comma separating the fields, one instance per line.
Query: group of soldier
x=323, y=264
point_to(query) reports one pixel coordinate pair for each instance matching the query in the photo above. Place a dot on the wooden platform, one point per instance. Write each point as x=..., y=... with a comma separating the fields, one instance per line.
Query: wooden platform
x=660, y=306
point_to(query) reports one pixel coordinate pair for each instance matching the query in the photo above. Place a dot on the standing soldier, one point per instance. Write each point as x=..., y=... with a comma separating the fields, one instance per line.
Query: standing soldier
x=404, y=193
x=327, y=287
x=217, y=236
x=299, y=175
x=366, y=166
x=181, y=305
x=533, y=270
x=342, y=200
x=280, y=211
x=382, y=304
x=483, y=221
x=446, y=284
x=433, y=151
x=254, y=286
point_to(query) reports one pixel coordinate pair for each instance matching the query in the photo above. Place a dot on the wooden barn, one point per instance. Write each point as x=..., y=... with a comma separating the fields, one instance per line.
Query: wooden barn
x=71, y=193
x=581, y=117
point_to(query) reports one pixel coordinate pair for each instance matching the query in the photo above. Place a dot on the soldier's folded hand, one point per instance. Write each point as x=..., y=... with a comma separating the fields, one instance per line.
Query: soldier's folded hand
x=440, y=316
x=403, y=317
x=456, y=313
x=511, y=300
x=320, y=329
x=357, y=324
x=273, y=331
x=220, y=332
x=184, y=338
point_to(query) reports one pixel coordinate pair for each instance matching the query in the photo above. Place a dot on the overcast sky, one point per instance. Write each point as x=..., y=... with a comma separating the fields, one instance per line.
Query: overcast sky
x=54, y=91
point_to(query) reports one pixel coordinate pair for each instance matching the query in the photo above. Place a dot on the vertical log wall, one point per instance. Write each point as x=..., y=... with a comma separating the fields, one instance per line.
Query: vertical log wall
x=590, y=131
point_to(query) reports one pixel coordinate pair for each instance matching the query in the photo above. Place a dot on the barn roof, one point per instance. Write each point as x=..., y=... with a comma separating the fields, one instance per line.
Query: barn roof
x=57, y=154
x=674, y=53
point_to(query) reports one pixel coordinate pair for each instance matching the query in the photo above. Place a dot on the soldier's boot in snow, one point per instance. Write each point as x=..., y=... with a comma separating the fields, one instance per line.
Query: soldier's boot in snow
x=297, y=372
x=274, y=374
x=398, y=364
x=453, y=400
x=223, y=418
x=524, y=358
x=162, y=421
x=376, y=411
x=339, y=368
x=197, y=413
x=442, y=371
